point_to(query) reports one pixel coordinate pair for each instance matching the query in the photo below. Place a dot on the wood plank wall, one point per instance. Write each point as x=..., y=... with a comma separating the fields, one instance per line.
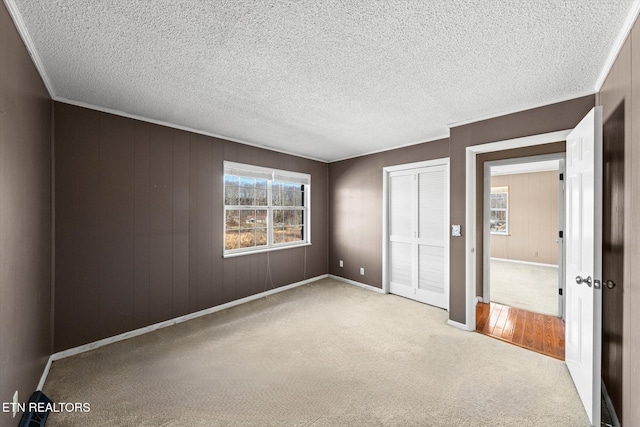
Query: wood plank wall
x=139, y=229
x=25, y=220
x=533, y=218
x=622, y=85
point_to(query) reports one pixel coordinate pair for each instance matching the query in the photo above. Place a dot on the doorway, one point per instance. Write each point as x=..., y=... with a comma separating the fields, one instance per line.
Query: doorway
x=583, y=252
x=415, y=223
x=523, y=219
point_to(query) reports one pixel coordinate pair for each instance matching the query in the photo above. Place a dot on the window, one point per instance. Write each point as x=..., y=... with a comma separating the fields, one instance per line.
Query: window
x=499, y=216
x=264, y=208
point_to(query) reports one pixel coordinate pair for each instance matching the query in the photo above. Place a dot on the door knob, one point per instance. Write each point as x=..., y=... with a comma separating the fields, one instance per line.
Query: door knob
x=586, y=281
x=610, y=284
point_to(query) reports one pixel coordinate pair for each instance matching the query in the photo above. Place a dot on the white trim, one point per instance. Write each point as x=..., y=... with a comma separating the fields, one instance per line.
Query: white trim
x=354, y=283
x=470, y=239
x=528, y=159
x=618, y=43
x=45, y=373
x=280, y=247
x=470, y=190
x=478, y=299
x=417, y=165
x=141, y=331
x=179, y=127
x=562, y=225
x=459, y=325
x=385, y=231
x=534, y=167
x=16, y=16
x=517, y=261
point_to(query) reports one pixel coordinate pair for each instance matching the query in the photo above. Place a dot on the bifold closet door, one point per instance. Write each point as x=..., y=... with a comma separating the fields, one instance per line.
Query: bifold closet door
x=432, y=233
x=418, y=218
x=401, y=234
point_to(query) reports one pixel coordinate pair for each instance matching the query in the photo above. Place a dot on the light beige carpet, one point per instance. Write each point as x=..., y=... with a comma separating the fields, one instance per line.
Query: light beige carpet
x=530, y=287
x=325, y=354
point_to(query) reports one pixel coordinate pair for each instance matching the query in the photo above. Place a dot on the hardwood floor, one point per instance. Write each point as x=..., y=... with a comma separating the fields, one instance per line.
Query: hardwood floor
x=533, y=331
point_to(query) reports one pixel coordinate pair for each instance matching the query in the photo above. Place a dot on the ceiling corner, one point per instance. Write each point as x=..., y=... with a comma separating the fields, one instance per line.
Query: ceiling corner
x=16, y=16
x=634, y=11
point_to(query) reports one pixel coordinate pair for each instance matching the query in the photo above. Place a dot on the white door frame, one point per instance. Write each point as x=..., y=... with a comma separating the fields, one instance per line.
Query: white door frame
x=385, y=216
x=471, y=214
x=486, y=235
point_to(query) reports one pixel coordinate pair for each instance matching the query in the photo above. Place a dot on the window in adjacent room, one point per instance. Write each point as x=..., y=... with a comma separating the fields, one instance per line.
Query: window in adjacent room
x=264, y=208
x=499, y=216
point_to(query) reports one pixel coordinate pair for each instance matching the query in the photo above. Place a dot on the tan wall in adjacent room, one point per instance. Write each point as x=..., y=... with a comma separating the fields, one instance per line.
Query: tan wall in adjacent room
x=533, y=218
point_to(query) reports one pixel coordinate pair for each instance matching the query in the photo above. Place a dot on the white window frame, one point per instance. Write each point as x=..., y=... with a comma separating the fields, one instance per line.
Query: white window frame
x=271, y=175
x=506, y=209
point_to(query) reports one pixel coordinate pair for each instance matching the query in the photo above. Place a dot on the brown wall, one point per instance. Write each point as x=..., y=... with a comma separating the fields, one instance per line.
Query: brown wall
x=623, y=85
x=355, y=190
x=533, y=218
x=25, y=220
x=139, y=225
x=355, y=203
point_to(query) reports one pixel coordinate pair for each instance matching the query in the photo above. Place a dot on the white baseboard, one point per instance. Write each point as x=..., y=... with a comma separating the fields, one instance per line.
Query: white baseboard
x=45, y=373
x=517, y=261
x=373, y=288
x=136, y=332
x=353, y=282
x=458, y=325
x=479, y=299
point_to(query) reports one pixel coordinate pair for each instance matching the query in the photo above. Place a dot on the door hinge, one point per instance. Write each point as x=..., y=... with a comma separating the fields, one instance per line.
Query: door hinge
x=561, y=234
x=560, y=291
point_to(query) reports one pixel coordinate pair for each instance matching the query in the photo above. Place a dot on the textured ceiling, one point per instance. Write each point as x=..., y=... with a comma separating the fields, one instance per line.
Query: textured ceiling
x=326, y=79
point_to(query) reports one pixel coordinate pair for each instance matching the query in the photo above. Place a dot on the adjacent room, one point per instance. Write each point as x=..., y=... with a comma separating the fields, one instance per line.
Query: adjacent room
x=523, y=277
x=524, y=236
x=277, y=213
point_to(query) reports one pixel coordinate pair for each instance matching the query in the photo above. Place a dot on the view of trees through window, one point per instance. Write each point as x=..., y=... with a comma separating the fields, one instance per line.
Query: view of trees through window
x=261, y=213
x=498, y=220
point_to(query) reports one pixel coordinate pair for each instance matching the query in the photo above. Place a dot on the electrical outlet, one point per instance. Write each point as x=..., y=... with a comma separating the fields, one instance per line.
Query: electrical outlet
x=341, y=263
x=14, y=406
x=362, y=271
x=535, y=253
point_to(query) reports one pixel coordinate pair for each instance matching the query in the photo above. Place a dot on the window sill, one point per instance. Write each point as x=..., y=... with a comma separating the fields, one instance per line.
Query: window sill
x=261, y=251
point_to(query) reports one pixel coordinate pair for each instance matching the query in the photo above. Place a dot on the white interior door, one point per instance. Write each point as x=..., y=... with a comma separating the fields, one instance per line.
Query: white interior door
x=418, y=240
x=584, y=260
